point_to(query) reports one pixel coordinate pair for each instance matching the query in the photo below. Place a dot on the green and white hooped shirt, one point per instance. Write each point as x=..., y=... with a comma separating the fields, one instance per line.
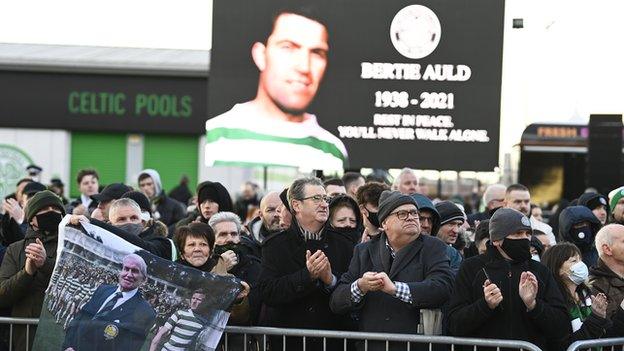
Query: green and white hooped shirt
x=242, y=136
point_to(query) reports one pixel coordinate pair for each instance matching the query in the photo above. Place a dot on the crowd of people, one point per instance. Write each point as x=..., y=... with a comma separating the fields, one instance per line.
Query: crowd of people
x=350, y=253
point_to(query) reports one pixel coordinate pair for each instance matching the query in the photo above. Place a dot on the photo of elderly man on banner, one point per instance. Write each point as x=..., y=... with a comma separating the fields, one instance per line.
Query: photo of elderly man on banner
x=107, y=294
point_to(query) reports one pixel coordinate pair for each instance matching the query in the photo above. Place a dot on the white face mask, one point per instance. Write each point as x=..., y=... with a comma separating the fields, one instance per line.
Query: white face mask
x=535, y=257
x=578, y=273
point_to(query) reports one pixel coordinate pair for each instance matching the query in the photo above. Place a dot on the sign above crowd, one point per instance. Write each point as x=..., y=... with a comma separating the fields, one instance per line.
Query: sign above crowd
x=103, y=103
x=356, y=83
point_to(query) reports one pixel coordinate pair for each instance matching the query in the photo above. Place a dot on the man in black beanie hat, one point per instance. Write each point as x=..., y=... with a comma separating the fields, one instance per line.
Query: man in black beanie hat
x=27, y=265
x=395, y=273
x=504, y=294
x=598, y=204
x=105, y=198
x=451, y=220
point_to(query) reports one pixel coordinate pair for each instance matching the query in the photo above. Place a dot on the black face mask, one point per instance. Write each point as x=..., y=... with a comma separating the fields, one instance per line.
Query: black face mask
x=347, y=230
x=220, y=249
x=49, y=221
x=132, y=228
x=518, y=250
x=373, y=219
x=582, y=236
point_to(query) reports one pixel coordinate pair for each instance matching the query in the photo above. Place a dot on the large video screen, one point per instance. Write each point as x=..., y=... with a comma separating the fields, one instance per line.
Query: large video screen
x=332, y=84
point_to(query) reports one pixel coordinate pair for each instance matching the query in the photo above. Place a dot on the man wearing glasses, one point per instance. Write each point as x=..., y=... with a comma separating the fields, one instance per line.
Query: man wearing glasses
x=395, y=274
x=301, y=267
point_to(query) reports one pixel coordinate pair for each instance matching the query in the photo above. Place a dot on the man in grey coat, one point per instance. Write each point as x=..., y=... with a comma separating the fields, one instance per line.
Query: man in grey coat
x=394, y=275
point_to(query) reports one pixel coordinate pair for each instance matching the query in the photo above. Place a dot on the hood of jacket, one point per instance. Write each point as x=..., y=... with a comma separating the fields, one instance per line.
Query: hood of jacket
x=156, y=178
x=223, y=196
x=573, y=215
x=424, y=203
x=341, y=199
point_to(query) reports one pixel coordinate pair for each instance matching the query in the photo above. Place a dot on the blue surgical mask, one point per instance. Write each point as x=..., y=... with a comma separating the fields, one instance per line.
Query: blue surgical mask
x=578, y=273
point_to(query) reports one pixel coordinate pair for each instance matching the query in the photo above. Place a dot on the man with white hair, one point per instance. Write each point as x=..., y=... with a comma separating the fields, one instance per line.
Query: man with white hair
x=607, y=276
x=494, y=198
x=125, y=222
x=406, y=182
x=237, y=250
x=116, y=317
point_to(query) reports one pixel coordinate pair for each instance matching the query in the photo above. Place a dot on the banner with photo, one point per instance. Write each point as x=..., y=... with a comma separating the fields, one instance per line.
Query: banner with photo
x=107, y=294
x=326, y=84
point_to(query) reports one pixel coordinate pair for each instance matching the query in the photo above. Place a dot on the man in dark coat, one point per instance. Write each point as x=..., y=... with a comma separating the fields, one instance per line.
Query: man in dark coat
x=88, y=182
x=268, y=221
x=301, y=267
x=28, y=264
x=504, y=294
x=164, y=208
x=606, y=276
x=598, y=204
x=116, y=317
x=182, y=192
x=395, y=274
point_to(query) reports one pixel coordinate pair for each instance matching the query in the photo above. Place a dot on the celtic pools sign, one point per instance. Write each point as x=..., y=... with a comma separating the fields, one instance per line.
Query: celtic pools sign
x=13, y=162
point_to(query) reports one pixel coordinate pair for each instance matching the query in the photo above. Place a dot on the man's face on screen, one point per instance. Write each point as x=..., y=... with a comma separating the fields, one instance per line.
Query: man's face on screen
x=293, y=62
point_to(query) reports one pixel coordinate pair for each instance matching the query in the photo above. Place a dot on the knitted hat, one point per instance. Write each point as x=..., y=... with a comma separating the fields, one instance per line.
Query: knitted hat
x=593, y=200
x=140, y=199
x=614, y=196
x=33, y=187
x=507, y=221
x=449, y=211
x=389, y=200
x=111, y=192
x=215, y=192
x=40, y=201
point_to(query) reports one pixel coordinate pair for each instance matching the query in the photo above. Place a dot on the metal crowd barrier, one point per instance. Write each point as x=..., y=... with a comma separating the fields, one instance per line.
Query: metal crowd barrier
x=18, y=321
x=261, y=336
x=588, y=344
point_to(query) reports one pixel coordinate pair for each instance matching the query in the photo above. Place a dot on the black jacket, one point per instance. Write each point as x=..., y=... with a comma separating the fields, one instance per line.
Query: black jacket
x=171, y=211
x=546, y=326
x=10, y=231
x=248, y=270
x=297, y=301
x=148, y=240
x=69, y=208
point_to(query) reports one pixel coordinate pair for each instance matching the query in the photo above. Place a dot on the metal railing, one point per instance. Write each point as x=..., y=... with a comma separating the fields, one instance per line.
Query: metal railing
x=588, y=344
x=18, y=321
x=262, y=335
x=405, y=339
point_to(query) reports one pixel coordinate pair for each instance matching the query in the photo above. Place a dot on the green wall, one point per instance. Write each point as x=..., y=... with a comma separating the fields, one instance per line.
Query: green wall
x=104, y=152
x=172, y=156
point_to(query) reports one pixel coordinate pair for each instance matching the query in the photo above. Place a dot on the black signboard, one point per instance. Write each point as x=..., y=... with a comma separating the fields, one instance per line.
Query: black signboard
x=406, y=83
x=96, y=102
